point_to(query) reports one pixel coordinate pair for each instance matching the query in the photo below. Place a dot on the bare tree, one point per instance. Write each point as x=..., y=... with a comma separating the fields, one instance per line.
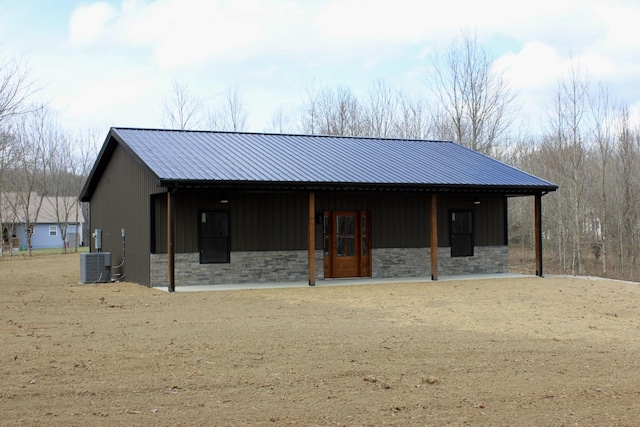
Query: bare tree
x=331, y=112
x=476, y=98
x=68, y=168
x=626, y=190
x=380, y=111
x=310, y=110
x=234, y=112
x=15, y=88
x=181, y=108
x=281, y=121
x=35, y=136
x=8, y=157
x=592, y=223
x=571, y=131
x=565, y=151
x=346, y=114
x=326, y=107
x=603, y=126
x=411, y=120
x=86, y=149
x=58, y=182
x=384, y=113
x=337, y=112
x=230, y=114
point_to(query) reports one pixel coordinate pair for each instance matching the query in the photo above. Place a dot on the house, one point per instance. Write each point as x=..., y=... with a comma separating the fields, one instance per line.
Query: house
x=203, y=207
x=49, y=218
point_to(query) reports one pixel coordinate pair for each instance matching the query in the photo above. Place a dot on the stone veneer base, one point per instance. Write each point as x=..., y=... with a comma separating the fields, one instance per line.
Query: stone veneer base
x=291, y=266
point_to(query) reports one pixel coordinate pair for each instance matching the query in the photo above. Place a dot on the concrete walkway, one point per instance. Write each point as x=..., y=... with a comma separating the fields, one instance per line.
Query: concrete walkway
x=340, y=282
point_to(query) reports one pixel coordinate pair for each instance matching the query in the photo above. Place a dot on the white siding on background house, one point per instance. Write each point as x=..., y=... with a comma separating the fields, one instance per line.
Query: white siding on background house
x=47, y=232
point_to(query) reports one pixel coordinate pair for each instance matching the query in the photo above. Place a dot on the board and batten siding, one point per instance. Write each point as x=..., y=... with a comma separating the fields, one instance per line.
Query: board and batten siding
x=122, y=200
x=398, y=220
x=259, y=221
x=277, y=221
x=401, y=219
x=489, y=218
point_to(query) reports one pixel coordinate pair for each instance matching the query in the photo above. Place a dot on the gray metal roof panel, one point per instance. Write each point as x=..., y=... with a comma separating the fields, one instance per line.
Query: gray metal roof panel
x=251, y=157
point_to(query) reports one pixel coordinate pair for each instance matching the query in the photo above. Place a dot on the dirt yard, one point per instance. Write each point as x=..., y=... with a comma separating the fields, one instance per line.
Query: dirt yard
x=540, y=352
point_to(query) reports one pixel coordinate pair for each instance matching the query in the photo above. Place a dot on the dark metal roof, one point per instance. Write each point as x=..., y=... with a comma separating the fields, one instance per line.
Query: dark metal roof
x=215, y=158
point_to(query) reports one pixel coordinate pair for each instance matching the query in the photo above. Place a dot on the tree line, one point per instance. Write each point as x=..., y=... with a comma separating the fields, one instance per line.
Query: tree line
x=590, y=148
x=585, y=143
x=40, y=161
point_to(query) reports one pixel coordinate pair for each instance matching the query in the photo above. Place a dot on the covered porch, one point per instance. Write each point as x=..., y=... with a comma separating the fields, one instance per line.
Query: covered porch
x=412, y=238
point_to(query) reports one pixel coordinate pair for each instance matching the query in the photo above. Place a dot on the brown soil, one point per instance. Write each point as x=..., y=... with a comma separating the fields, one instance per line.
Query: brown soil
x=551, y=351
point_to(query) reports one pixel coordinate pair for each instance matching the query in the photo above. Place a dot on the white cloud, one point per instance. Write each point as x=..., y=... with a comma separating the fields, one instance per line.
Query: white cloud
x=190, y=32
x=280, y=46
x=373, y=22
x=535, y=66
x=88, y=23
x=183, y=33
x=121, y=100
x=622, y=20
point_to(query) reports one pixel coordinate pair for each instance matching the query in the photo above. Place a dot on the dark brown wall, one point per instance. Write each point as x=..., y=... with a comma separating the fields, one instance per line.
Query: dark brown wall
x=121, y=200
x=489, y=217
x=262, y=221
x=259, y=221
x=398, y=220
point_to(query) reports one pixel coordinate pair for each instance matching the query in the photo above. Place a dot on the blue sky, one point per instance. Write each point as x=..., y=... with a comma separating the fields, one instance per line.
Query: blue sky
x=109, y=63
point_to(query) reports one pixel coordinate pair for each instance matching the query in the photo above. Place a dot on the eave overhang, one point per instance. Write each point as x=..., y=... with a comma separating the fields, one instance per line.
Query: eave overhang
x=509, y=190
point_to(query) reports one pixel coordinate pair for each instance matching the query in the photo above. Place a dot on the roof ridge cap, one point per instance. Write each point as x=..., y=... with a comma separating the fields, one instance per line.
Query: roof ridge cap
x=225, y=132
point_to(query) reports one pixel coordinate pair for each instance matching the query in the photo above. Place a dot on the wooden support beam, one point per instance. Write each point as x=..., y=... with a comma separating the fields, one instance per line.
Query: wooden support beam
x=171, y=255
x=434, y=237
x=312, y=239
x=538, y=233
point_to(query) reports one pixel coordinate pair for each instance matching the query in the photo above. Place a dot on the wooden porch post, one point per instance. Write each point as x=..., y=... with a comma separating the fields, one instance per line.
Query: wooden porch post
x=434, y=237
x=312, y=239
x=170, y=247
x=538, y=233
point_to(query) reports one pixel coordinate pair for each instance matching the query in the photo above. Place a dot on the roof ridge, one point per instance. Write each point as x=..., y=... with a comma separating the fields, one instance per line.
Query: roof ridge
x=226, y=132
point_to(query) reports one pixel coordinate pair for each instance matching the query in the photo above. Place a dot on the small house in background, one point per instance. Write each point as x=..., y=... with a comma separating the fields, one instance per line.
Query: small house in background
x=47, y=216
x=202, y=207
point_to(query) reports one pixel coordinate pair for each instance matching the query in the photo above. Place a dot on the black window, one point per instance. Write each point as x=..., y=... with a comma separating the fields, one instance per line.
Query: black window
x=214, y=237
x=461, y=232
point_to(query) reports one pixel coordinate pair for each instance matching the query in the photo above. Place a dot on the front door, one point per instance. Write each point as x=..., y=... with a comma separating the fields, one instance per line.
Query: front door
x=347, y=244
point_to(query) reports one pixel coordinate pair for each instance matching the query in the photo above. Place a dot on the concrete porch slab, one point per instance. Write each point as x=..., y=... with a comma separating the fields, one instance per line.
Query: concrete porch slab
x=340, y=282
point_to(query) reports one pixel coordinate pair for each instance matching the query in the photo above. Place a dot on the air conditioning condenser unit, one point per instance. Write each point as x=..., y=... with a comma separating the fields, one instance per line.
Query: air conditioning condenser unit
x=95, y=267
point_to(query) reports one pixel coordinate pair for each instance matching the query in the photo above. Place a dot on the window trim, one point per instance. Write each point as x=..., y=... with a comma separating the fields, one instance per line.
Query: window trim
x=54, y=229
